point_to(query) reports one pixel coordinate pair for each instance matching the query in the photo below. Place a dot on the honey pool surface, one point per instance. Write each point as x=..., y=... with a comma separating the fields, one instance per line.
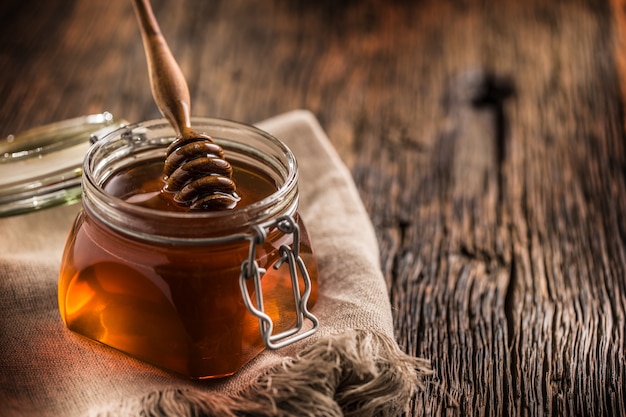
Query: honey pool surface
x=176, y=306
x=142, y=185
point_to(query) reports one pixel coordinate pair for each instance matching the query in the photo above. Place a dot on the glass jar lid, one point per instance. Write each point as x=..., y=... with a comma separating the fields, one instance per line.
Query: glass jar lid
x=42, y=167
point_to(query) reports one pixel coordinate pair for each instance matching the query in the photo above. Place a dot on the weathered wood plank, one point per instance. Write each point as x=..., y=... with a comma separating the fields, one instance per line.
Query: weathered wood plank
x=517, y=281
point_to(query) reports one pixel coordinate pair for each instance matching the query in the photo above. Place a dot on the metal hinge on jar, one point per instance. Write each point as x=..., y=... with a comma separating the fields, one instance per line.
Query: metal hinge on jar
x=250, y=270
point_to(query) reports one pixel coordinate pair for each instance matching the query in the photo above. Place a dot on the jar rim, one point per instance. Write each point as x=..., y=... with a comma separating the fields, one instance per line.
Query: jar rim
x=94, y=185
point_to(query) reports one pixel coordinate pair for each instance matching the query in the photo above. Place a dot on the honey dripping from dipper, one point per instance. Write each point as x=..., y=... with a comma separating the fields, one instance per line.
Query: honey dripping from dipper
x=195, y=169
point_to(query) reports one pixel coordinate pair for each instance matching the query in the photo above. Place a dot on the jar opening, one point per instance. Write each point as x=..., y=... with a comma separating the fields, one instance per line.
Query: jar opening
x=146, y=142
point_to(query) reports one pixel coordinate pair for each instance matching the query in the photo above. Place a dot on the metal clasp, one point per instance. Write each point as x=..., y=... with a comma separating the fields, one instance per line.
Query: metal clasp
x=250, y=270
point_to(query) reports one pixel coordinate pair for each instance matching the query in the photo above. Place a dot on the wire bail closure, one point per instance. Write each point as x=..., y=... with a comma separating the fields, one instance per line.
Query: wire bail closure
x=250, y=270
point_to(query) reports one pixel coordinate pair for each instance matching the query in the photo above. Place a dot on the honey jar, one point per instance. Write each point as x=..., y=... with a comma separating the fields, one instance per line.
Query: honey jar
x=198, y=293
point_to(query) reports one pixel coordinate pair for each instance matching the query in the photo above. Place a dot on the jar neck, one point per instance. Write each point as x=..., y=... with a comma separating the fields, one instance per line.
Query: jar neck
x=194, y=227
x=183, y=228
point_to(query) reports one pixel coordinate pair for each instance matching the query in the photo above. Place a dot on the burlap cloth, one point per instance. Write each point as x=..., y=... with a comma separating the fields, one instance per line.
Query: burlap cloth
x=351, y=366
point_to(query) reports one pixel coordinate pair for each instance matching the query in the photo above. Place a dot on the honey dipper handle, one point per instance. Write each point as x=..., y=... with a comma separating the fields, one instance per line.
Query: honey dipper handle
x=167, y=81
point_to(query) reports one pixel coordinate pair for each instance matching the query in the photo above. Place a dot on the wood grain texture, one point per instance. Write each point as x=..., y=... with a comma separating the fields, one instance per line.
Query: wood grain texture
x=486, y=139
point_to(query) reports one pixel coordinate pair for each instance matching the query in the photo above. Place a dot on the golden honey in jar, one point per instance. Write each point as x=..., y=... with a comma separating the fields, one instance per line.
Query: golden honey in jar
x=199, y=293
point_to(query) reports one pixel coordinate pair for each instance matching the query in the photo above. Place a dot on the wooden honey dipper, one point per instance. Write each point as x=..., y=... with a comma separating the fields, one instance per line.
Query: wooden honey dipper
x=195, y=169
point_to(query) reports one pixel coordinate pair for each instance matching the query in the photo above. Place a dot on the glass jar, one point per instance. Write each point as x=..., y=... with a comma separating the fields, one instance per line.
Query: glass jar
x=199, y=293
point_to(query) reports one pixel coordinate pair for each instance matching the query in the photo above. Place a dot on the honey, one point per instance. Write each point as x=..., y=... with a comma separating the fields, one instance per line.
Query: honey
x=143, y=184
x=162, y=284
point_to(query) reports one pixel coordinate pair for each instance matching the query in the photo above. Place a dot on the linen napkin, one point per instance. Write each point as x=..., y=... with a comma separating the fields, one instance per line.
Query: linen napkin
x=351, y=366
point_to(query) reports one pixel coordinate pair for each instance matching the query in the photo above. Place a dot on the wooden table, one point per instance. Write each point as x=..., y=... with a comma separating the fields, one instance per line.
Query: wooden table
x=486, y=139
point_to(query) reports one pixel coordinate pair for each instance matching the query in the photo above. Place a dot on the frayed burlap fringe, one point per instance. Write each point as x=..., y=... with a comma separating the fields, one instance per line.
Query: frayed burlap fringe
x=357, y=373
